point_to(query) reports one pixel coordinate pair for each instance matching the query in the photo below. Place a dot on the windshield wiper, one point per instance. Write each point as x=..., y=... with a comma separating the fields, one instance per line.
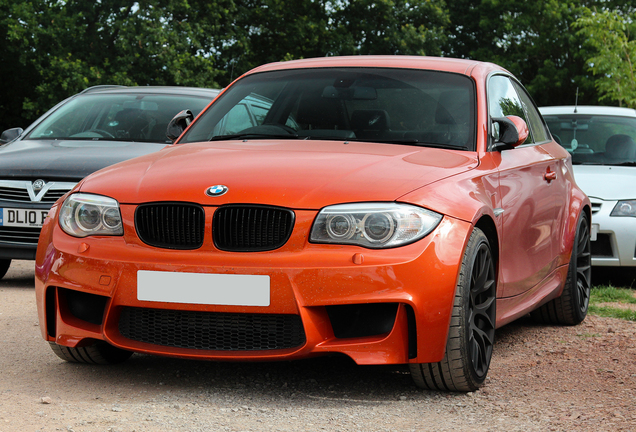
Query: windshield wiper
x=253, y=136
x=418, y=143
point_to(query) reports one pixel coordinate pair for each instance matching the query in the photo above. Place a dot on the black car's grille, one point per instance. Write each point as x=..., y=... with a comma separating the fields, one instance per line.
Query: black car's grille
x=53, y=195
x=171, y=225
x=602, y=247
x=245, y=228
x=14, y=194
x=211, y=331
x=20, y=194
x=18, y=235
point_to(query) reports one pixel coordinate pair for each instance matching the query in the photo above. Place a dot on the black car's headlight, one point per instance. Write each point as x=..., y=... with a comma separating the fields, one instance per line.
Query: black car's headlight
x=624, y=208
x=84, y=215
x=373, y=225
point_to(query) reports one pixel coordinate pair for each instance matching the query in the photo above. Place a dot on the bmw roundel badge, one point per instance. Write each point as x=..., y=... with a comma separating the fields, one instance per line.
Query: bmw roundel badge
x=215, y=191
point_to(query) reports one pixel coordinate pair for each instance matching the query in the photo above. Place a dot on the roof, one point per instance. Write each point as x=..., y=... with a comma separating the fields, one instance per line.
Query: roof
x=462, y=66
x=114, y=89
x=588, y=110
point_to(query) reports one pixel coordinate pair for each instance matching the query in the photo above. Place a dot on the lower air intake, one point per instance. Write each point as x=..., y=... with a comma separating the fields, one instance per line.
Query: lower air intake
x=211, y=331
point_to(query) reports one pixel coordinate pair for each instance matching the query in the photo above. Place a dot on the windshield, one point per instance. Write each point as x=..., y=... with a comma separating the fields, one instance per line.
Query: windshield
x=116, y=117
x=400, y=106
x=597, y=140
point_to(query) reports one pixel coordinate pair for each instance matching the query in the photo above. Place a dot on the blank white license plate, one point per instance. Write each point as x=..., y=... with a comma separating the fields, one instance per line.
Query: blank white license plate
x=203, y=288
x=22, y=217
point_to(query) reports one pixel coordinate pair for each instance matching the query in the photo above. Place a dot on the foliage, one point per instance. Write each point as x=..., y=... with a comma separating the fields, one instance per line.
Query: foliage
x=55, y=48
x=608, y=294
x=602, y=295
x=612, y=312
x=65, y=46
x=613, y=48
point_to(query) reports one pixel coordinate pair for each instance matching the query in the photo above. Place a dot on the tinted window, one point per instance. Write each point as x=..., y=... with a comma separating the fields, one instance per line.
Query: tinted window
x=121, y=117
x=365, y=104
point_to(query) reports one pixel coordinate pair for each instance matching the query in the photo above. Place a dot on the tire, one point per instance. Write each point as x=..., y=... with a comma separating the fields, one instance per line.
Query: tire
x=100, y=353
x=571, y=307
x=472, y=329
x=4, y=267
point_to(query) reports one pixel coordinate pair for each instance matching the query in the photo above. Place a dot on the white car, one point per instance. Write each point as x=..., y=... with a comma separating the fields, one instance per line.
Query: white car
x=602, y=143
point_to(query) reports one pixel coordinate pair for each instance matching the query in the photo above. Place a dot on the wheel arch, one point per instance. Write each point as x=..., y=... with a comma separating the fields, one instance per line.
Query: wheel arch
x=487, y=225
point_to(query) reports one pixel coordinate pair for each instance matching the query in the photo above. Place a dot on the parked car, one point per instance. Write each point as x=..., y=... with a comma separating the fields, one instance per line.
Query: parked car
x=100, y=126
x=601, y=141
x=392, y=209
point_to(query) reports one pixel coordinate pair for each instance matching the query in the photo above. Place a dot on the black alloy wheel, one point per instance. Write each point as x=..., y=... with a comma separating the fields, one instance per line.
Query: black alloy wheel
x=571, y=307
x=471, y=334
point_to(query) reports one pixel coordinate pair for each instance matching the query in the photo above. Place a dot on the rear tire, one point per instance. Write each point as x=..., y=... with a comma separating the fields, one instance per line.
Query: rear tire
x=100, y=353
x=472, y=329
x=571, y=307
x=4, y=267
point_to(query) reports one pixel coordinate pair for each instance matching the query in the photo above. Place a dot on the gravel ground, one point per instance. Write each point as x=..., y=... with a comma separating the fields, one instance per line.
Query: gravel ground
x=542, y=378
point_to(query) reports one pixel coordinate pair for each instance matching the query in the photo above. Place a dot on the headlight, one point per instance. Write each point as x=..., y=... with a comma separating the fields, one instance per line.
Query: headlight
x=624, y=208
x=373, y=225
x=83, y=215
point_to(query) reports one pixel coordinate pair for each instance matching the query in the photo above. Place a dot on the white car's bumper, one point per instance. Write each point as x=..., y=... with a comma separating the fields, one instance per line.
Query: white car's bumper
x=613, y=238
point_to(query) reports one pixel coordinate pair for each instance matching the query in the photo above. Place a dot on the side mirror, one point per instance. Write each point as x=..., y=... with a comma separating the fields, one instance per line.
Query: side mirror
x=10, y=134
x=178, y=124
x=509, y=132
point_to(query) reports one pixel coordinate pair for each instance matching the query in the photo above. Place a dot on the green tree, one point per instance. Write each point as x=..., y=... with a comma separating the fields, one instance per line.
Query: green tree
x=533, y=40
x=610, y=40
x=275, y=30
x=390, y=27
x=66, y=46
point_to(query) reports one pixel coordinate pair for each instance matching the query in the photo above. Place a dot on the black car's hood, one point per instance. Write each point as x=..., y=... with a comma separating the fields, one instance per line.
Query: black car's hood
x=66, y=159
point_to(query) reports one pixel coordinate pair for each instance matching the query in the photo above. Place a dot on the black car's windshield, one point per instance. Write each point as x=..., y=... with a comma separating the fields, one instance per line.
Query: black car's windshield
x=395, y=106
x=116, y=117
x=596, y=139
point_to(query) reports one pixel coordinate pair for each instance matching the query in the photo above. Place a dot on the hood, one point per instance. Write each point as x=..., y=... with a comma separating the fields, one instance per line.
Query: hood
x=609, y=183
x=294, y=174
x=66, y=160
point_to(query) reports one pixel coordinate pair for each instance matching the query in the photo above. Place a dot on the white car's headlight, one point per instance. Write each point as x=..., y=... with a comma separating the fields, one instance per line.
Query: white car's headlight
x=624, y=208
x=373, y=225
x=84, y=215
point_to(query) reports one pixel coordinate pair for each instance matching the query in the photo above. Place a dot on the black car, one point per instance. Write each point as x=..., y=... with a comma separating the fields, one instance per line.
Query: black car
x=96, y=128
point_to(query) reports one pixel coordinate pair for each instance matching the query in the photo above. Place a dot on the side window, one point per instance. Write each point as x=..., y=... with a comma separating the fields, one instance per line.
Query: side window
x=503, y=100
x=539, y=131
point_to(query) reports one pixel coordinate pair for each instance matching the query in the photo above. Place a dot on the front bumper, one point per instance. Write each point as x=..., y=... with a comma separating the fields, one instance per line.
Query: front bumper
x=614, y=238
x=376, y=306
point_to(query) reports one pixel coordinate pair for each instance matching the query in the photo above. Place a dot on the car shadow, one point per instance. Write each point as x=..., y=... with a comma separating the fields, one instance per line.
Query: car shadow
x=619, y=277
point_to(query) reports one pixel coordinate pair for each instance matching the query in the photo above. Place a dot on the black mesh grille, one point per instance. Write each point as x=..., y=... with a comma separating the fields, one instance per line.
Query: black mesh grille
x=18, y=235
x=211, y=331
x=243, y=228
x=171, y=225
x=602, y=247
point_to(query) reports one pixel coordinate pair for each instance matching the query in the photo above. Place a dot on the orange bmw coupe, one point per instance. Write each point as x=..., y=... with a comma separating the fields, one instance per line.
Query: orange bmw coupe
x=393, y=209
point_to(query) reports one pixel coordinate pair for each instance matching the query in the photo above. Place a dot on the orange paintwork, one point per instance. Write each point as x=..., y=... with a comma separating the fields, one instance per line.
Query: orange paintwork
x=533, y=237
